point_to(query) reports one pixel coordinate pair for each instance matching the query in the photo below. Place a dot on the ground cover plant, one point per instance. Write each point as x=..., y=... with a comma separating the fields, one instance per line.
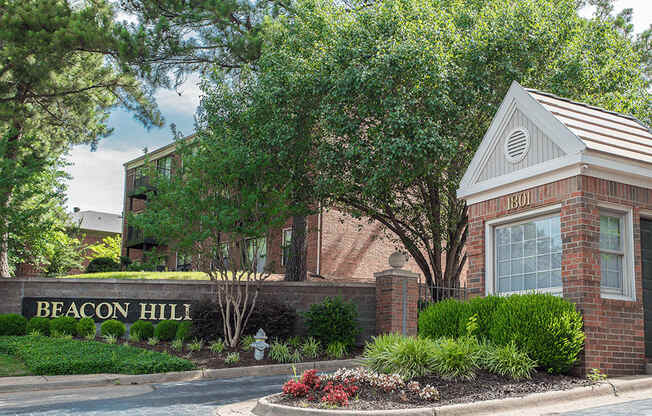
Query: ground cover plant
x=58, y=356
x=12, y=367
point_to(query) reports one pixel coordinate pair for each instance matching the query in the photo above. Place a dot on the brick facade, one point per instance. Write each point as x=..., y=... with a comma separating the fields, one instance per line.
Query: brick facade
x=614, y=328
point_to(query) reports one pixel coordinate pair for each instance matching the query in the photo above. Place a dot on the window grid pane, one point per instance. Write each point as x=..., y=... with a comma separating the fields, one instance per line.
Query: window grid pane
x=611, y=264
x=528, y=255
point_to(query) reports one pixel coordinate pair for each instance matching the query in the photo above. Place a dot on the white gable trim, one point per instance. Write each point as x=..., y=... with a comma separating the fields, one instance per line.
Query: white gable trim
x=517, y=97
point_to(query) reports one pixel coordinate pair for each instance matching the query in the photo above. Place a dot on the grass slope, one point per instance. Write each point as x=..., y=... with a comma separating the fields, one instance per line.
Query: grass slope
x=57, y=356
x=140, y=275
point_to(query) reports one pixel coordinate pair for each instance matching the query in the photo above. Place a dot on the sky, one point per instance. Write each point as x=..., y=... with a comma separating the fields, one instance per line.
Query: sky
x=98, y=177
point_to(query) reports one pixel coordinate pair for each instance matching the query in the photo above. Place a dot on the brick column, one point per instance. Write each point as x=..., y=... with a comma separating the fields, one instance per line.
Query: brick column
x=397, y=294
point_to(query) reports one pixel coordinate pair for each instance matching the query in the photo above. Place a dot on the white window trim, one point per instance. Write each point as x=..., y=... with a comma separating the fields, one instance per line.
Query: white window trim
x=489, y=242
x=629, y=273
x=282, y=246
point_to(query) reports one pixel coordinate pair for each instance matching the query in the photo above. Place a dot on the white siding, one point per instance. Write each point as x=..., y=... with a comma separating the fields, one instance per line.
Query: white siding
x=541, y=149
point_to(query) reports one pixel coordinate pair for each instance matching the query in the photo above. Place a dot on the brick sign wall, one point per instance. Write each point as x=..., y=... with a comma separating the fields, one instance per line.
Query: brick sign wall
x=102, y=298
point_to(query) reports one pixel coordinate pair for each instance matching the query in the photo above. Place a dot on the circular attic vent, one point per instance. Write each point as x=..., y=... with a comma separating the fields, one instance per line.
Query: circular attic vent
x=517, y=145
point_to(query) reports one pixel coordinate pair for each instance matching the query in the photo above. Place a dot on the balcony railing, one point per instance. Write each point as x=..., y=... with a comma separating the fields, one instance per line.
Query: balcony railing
x=136, y=239
x=141, y=186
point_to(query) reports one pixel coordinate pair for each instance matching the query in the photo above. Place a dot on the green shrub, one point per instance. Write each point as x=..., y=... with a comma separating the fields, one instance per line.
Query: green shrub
x=280, y=352
x=509, y=361
x=85, y=327
x=60, y=356
x=40, y=324
x=183, y=330
x=144, y=329
x=13, y=324
x=63, y=325
x=444, y=319
x=245, y=343
x=102, y=264
x=545, y=327
x=396, y=354
x=177, y=345
x=113, y=327
x=336, y=349
x=217, y=346
x=483, y=308
x=457, y=358
x=166, y=330
x=333, y=320
x=310, y=348
x=232, y=358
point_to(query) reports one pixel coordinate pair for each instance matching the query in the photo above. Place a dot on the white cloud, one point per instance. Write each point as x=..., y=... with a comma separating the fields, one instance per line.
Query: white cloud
x=98, y=178
x=642, y=12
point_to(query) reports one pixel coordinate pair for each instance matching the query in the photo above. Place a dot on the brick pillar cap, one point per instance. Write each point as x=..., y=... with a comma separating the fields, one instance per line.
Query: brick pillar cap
x=396, y=273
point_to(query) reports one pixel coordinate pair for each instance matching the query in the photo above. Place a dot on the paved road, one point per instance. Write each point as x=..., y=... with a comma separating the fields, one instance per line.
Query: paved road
x=633, y=408
x=196, y=398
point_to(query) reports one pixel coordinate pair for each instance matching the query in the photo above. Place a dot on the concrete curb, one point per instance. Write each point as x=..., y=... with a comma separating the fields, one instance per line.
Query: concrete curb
x=33, y=383
x=614, y=386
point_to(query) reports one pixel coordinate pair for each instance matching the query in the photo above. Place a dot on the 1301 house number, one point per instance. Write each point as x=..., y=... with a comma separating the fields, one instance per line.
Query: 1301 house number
x=518, y=200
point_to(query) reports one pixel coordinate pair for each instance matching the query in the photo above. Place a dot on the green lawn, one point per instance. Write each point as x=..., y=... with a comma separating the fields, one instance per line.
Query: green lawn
x=10, y=367
x=140, y=275
x=58, y=356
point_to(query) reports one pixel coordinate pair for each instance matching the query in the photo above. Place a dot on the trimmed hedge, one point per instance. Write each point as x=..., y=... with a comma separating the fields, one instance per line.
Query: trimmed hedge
x=13, y=324
x=113, y=327
x=546, y=327
x=59, y=356
x=64, y=325
x=166, y=330
x=86, y=327
x=40, y=324
x=183, y=331
x=333, y=320
x=144, y=329
x=102, y=265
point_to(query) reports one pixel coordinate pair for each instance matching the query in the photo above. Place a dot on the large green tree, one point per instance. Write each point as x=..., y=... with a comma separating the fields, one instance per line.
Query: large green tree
x=62, y=68
x=406, y=89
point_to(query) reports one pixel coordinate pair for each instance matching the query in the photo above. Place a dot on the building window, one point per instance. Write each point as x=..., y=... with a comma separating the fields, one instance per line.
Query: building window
x=616, y=245
x=164, y=166
x=255, y=251
x=527, y=255
x=285, y=245
x=184, y=262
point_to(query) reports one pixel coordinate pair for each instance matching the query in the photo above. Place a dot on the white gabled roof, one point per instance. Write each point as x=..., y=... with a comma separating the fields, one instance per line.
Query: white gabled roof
x=600, y=130
x=595, y=141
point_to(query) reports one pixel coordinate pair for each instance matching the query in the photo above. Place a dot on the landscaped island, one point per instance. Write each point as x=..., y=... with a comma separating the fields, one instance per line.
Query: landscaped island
x=487, y=348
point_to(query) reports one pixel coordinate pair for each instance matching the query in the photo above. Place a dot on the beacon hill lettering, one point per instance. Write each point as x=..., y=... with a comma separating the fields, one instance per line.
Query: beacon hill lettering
x=125, y=310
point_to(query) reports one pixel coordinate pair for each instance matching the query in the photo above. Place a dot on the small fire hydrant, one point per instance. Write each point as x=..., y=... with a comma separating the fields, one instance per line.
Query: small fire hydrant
x=260, y=345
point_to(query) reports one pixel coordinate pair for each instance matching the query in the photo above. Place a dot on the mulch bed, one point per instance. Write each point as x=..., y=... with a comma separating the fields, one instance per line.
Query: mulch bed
x=205, y=358
x=485, y=386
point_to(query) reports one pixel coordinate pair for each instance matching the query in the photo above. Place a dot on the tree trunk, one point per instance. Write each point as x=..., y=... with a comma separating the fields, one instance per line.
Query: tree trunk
x=4, y=241
x=295, y=267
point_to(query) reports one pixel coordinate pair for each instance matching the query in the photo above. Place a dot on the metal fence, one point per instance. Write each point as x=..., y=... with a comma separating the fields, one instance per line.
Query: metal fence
x=433, y=294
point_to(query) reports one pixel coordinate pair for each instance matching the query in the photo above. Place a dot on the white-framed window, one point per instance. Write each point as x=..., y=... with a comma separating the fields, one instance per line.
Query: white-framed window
x=286, y=242
x=523, y=253
x=616, y=248
x=164, y=166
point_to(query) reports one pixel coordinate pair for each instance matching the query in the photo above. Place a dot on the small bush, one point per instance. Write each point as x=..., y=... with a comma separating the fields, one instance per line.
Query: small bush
x=333, y=320
x=63, y=325
x=336, y=349
x=510, y=362
x=217, y=346
x=144, y=329
x=40, y=324
x=195, y=345
x=310, y=348
x=232, y=358
x=545, y=327
x=294, y=342
x=13, y=324
x=456, y=358
x=113, y=327
x=444, y=319
x=280, y=352
x=166, y=330
x=177, y=345
x=110, y=339
x=245, y=343
x=151, y=341
x=396, y=354
x=296, y=357
x=85, y=327
x=484, y=309
x=183, y=331
x=102, y=264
